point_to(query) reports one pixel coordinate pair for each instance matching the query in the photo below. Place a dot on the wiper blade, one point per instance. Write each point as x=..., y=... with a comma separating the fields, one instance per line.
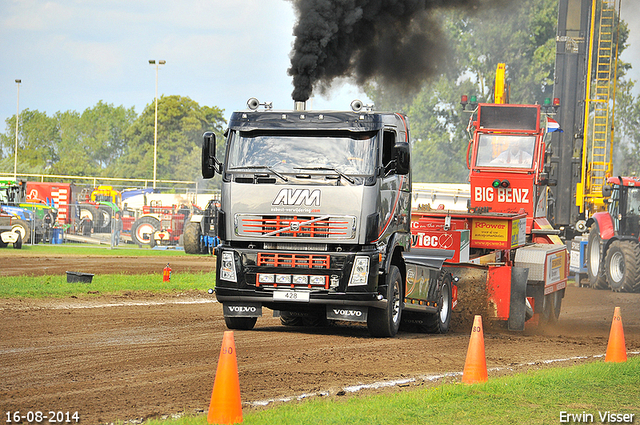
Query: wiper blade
x=335, y=170
x=260, y=167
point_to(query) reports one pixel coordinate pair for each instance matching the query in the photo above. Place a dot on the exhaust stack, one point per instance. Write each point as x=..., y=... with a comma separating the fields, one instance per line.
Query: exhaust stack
x=299, y=105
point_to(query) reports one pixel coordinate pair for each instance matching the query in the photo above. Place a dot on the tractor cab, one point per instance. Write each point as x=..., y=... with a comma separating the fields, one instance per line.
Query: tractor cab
x=624, y=205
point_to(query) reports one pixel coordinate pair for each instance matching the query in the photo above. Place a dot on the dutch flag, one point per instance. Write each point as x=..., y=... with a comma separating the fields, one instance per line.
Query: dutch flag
x=552, y=125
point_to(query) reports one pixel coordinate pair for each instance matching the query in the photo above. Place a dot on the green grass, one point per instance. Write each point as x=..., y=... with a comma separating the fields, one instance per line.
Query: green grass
x=87, y=249
x=57, y=286
x=532, y=398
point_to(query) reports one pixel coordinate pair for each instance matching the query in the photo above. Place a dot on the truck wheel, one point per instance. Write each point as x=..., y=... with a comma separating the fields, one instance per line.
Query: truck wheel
x=439, y=322
x=143, y=229
x=288, y=319
x=192, y=238
x=240, y=323
x=21, y=227
x=385, y=322
x=622, y=266
x=593, y=253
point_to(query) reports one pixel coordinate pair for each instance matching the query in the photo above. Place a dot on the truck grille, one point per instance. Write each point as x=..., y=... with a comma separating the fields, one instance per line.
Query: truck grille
x=269, y=259
x=296, y=226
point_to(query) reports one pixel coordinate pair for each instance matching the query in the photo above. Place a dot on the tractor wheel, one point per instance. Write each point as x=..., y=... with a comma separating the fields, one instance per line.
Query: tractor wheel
x=385, y=322
x=597, y=276
x=143, y=229
x=192, y=238
x=623, y=266
x=90, y=212
x=439, y=322
x=21, y=227
x=104, y=213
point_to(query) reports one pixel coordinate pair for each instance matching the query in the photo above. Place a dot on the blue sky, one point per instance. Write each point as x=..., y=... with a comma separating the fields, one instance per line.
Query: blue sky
x=71, y=54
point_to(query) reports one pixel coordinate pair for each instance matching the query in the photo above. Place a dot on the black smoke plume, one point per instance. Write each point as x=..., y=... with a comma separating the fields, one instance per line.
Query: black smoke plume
x=398, y=41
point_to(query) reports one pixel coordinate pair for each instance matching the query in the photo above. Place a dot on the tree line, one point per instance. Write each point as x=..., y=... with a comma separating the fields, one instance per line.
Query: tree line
x=112, y=141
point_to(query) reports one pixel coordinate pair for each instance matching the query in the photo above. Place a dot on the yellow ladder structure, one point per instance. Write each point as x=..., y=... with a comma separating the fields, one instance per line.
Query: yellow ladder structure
x=597, y=152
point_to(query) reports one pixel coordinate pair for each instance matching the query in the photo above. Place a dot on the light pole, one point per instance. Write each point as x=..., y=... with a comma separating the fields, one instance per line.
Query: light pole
x=155, y=127
x=15, y=153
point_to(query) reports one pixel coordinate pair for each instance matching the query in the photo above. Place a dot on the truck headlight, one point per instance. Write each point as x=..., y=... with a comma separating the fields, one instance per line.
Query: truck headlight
x=228, y=267
x=360, y=272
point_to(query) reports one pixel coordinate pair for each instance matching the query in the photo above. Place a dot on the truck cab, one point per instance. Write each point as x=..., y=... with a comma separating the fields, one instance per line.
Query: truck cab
x=314, y=216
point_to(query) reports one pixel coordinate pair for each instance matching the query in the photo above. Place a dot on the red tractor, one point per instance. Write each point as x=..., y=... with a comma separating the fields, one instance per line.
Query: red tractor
x=158, y=225
x=613, y=248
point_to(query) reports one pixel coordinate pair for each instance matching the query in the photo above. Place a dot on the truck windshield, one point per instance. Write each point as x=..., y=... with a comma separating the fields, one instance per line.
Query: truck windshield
x=346, y=153
x=498, y=150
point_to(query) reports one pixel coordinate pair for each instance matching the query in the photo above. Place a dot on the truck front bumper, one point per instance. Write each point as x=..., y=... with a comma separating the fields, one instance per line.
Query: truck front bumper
x=239, y=272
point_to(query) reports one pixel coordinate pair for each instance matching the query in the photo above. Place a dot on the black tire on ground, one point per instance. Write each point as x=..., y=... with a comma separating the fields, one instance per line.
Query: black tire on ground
x=595, y=268
x=3, y=244
x=240, y=323
x=22, y=227
x=289, y=319
x=385, y=322
x=191, y=238
x=18, y=244
x=315, y=321
x=623, y=266
x=439, y=322
x=142, y=230
x=552, y=303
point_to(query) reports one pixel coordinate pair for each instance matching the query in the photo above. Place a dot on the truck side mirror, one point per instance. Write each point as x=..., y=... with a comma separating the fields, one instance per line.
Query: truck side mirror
x=606, y=190
x=402, y=156
x=208, y=155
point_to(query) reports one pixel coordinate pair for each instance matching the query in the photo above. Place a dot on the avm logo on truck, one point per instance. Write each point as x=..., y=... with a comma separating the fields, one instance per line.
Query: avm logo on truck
x=298, y=197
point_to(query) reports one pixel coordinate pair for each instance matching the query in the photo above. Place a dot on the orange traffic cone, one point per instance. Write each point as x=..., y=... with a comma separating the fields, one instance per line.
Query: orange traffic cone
x=475, y=367
x=225, y=407
x=616, y=349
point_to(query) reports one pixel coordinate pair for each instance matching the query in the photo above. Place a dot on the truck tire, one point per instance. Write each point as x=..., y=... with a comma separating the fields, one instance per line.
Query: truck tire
x=385, y=322
x=622, y=266
x=439, y=322
x=21, y=227
x=288, y=319
x=143, y=229
x=597, y=277
x=240, y=323
x=192, y=238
